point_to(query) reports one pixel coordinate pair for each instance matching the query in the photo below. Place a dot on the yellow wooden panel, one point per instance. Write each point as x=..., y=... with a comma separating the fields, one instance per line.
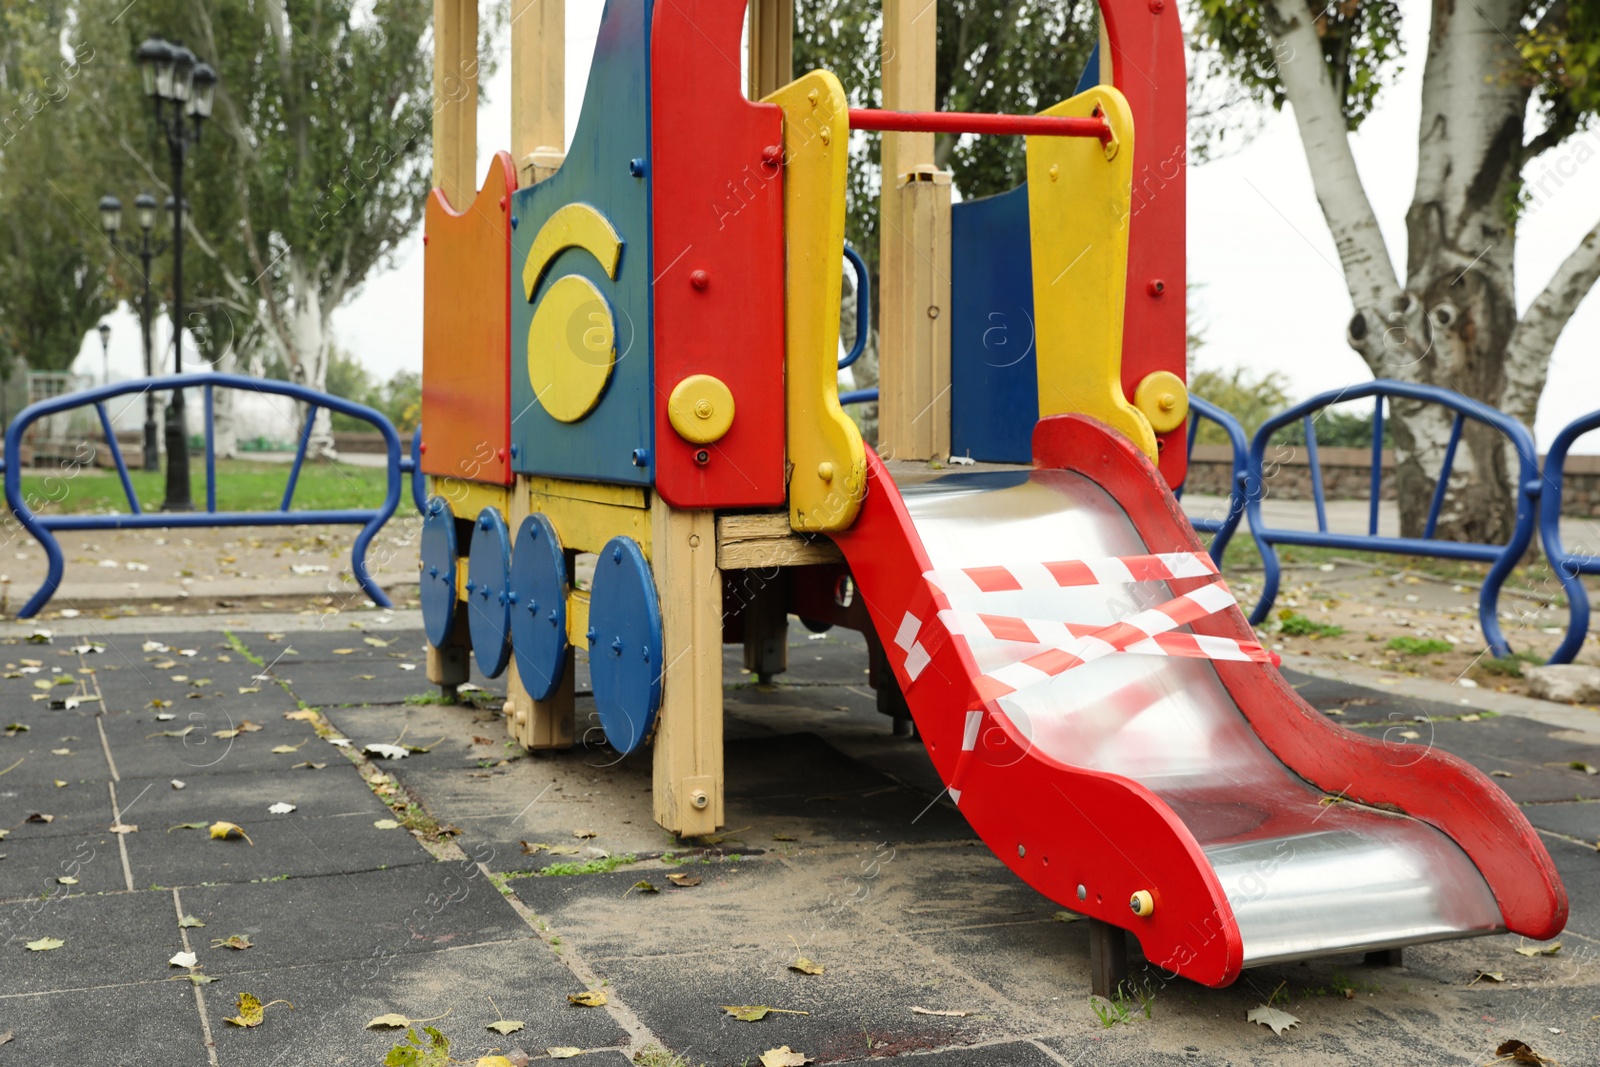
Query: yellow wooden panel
x=627, y=496
x=824, y=446
x=467, y=499
x=572, y=348
x=585, y=526
x=578, y=617
x=576, y=225
x=1079, y=196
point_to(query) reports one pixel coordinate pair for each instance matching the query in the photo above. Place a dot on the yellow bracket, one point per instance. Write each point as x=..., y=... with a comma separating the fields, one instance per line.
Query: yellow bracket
x=1079, y=203
x=576, y=225
x=829, y=462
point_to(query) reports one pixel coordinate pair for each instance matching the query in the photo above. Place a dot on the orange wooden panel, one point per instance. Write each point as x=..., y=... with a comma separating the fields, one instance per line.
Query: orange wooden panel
x=466, y=332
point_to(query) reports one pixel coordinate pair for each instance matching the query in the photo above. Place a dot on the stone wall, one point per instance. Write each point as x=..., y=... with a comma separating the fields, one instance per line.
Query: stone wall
x=1347, y=475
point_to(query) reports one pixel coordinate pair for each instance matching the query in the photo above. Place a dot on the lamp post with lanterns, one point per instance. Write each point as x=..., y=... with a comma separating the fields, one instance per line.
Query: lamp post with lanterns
x=105, y=353
x=144, y=207
x=182, y=89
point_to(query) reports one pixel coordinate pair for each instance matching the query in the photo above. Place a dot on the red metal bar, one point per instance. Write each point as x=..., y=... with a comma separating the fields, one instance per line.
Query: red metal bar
x=971, y=122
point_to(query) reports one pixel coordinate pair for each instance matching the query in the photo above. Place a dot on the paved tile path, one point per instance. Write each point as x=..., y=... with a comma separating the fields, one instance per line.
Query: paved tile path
x=837, y=850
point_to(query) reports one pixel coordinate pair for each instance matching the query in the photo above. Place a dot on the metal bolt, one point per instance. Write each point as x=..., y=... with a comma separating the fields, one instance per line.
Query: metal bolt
x=514, y=221
x=1083, y=894
x=636, y=167
x=699, y=279
x=1157, y=287
x=483, y=523
x=513, y=451
x=703, y=409
x=645, y=651
x=511, y=598
x=1021, y=851
x=772, y=154
x=533, y=607
x=470, y=587
x=591, y=635
x=616, y=554
x=702, y=457
x=699, y=800
x=641, y=457
x=616, y=647
x=433, y=572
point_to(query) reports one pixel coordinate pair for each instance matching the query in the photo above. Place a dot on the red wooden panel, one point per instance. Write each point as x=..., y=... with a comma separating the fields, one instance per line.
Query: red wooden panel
x=1147, y=60
x=717, y=255
x=466, y=332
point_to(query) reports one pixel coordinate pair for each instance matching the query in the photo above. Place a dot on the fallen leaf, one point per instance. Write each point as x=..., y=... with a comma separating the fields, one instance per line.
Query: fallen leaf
x=243, y=689
x=1267, y=1015
x=750, y=1013
x=394, y=1021
x=784, y=1057
x=60, y=784
x=40, y=817
x=9, y=1036
x=166, y=716
x=1067, y=916
x=67, y=879
x=643, y=887
x=227, y=831
x=178, y=783
x=344, y=652
x=283, y=750
x=1586, y=768
x=185, y=732
x=1501, y=774
x=303, y=715
x=189, y=921
x=187, y=826
x=124, y=828
x=61, y=752
x=195, y=978
x=280, y=808
x=406, y=666
x=251, y=1011
x=183, y=959
x=377, y=642
x=226, y=734
x=44, y=944
x=387, y=824
x=1493, y=976
x=685, y=880
x=239, y=942
x=506, y=1026
x=497, y=1061
x=1519, y=1052
x=584, y=835
x=937, y=1011
x=308, y=766
x=805, y=966
x=1539, y=950
x=563, y=1052
x=589, y=998
x=384, y=751
x=414, y=1051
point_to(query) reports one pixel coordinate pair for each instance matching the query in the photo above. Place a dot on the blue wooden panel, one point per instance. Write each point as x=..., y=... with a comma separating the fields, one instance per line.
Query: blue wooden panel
x=438, y=578
x=625, y=644
x=488, y=589
x=994, y=385
x=612, y=132
x=539, y=606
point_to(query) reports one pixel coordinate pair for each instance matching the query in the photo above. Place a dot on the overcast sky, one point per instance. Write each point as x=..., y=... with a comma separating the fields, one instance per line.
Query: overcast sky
x=1269, y=292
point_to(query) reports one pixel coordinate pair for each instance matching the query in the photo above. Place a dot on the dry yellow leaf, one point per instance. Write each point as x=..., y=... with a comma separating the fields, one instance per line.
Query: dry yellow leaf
x=589, y=998
x=251, y=1011
x=805, y=966
x=227, y=831
x=563, y=1052
x=303, y=715
x=44, y=944
x=506, y=1026
x=784, y=1057
x=750, y=1013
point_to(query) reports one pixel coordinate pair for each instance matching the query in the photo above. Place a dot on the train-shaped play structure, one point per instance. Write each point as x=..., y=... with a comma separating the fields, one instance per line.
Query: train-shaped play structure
x=632, y=349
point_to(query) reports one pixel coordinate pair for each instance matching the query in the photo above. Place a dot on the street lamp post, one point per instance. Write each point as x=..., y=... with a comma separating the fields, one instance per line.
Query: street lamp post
x=111, y=219
x=182, y=89
x=105, y=353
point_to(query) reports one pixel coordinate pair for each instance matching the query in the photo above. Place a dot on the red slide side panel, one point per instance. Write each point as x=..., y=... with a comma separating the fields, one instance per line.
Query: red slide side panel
x=1147, y=62
x=717, y=217
x=1057, y=827
x=1446, y=792
x=466, y=332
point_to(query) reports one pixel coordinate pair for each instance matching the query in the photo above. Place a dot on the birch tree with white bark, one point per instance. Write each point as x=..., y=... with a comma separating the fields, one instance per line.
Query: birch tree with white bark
x=1504, y=82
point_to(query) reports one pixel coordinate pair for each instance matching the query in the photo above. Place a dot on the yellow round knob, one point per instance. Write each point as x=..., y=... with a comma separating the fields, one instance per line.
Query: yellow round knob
x=1142, y=903
x=1163, y=399
x=700, y=409
x=825, y=471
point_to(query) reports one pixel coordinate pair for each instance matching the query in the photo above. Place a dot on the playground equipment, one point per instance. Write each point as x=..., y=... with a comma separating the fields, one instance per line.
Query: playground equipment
x=43, y=526
x=1221, y=528
x=631, y=350
x=1567, y=564
x=1501, y=558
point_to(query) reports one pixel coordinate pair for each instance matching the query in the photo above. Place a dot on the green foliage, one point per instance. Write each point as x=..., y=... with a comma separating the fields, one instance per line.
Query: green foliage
x=1249, y=397
x=603, y=865
x=1294, y=624
x=399, y=398
x=242, y=485
x=434, y=1051
x=1508, y=666
x=1360, y=39
x=1418, y=646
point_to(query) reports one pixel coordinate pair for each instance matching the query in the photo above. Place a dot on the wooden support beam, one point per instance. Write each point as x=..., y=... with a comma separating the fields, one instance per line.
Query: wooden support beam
x=536, y=724
x=455, y=99
x=765, y=539
x=914, y=335
x=538, y=87
x=765, y=594
x=771, y=46
x=688, y=736
x=1108, y=958
x=450, y=664
x=914, y=250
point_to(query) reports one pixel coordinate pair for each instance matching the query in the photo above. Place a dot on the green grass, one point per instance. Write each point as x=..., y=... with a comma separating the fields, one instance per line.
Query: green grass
x=1509, y=666
x=1294, y=624
x=1418, y=646
x=600, y=866
x=242, y=485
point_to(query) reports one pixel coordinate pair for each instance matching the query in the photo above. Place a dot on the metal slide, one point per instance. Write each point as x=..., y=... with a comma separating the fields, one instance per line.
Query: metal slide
x=1233, y=858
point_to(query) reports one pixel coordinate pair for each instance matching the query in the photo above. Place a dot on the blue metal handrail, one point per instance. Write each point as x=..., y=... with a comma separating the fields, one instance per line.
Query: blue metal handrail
x=42, y=527
x=863, y=307
x=1567, y=565
x=1502, y=558
x=1221, y=529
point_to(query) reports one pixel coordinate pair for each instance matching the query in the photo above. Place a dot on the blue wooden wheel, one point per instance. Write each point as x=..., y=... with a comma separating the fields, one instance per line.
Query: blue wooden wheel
x=539, y=606
x=625, y=644
x=438, y=576
x=488, y=589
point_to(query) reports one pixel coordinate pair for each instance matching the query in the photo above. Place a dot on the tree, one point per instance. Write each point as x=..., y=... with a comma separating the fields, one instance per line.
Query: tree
x=54, y=283
x=1504, y=82
x=315, y=166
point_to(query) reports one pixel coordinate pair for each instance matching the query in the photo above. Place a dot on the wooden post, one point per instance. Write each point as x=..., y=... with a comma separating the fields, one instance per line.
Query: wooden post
x=914, y=250
x=538, y=87
x=455, y=99
x=765, y=593
x=771, y=46
x=688, y=736
x=1108, y=958
x=450, y=664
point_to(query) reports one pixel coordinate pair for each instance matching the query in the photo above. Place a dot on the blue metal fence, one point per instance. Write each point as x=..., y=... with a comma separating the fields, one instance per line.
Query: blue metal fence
x=1222, y=529
x=1568, y=565
x=44, y=527
x=1502, y=558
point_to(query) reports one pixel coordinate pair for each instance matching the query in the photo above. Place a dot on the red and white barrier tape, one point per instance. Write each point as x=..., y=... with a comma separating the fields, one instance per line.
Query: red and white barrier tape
x=1110, y=570
x=1061, y=634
